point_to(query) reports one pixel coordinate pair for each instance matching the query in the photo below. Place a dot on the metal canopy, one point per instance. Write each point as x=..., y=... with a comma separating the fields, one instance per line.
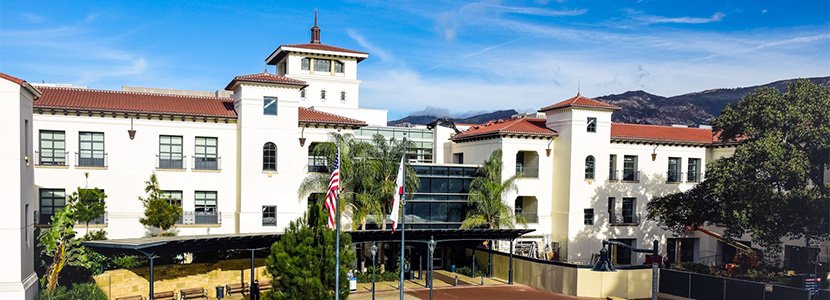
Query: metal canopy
x=439, y=235
x=182, y=244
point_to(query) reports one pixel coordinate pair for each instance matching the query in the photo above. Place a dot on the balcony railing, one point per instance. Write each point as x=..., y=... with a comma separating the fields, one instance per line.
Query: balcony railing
x=201, y=217
x=46, y=219
x=625, y=219
x=94, y=159
x=207, y=163
x=530, y=216
x=59, y=159
x=317, y=164
x=527, y=171
x=631, y=176
x=694, y=177
x=613, y=175
x=170, y=162
x=674, y=177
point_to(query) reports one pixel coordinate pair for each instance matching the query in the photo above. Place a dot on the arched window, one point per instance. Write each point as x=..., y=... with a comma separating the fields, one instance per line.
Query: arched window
x=269, y=157
x=589, y=167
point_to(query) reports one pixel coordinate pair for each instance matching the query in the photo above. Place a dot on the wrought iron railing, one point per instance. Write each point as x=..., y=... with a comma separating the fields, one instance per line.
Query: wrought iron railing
x=317, y=164
x=527, y=171
x=631, y=175
x=170, y=162
x=94, y=159
x=58, y=159
x=207, y=163
x=625, y=219
x=202, y=217
x=530, y=216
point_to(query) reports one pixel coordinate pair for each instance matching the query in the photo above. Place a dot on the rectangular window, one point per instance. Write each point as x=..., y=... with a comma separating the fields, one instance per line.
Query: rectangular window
x=338, y=67
x=52, y=148
x=680, y=250
x=322, y=65
x=322, y=94
x=26, y=223
x=269, y=216
x=302, y=93
x=91, y=149
x=458, y=158
x=174, y=198
x=589, y=216
x=621, y=255
x=612, y=167
x=51, y=201
x=694, y=170
x=630, y=172
x=205, y=156
x=206, y=207
x=612, y=210
x=170, y=152
x=342, y=95
x=629, y=210
x=305, y=64
x=592, y=124
x=269, y=106
x=674, y=170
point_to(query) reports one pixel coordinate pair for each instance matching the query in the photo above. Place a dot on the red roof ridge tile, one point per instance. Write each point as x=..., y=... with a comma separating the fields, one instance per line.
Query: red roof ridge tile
x=657, y=125
x=334, y=118
x=580, y=101
x=132, y=93
x=12, y=78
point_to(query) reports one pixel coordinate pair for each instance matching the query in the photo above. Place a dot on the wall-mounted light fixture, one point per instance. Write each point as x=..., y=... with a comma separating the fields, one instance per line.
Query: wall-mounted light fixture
x=547, y=151
x=131, y=131
x=654, y=153
x=302, y=137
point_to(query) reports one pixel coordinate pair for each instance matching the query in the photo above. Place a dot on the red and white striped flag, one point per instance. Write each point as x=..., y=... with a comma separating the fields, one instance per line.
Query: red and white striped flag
x=396, y=199
x=333, y=191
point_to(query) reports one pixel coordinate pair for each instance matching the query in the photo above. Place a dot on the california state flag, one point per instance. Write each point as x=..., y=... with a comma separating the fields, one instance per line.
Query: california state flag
x=396, y=199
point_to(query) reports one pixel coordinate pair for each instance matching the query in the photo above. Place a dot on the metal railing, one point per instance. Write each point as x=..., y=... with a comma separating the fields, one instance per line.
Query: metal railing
x=630, y=176
x=613, y=175
x=52, y=160
x=201, y=217
x=97, y=159
x=207, y=163
x=527, y=171
x=46, y=219
x=317, y=164
x=674, y=177
x=530, y=216
x=170, y=163
x=625, y=219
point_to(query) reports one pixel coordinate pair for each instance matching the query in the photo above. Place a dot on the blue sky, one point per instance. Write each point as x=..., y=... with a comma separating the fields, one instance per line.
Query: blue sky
x=445, y=57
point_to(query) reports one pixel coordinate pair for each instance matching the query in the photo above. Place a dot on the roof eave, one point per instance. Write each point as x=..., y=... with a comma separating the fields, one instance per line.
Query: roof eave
x=544, y=109
x=334, y=124
x=231, y=85
x=282, y=50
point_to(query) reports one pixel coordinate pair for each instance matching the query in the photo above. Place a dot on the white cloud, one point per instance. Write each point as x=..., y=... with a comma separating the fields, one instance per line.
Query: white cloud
x=384, y=55
x=650, y=19
x=32, y=18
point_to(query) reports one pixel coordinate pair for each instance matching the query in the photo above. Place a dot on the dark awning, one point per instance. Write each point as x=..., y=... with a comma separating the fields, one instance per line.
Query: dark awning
x=247, y=241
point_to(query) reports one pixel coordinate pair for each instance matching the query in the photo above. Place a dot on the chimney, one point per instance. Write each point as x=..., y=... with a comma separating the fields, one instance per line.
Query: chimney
x=315, y=31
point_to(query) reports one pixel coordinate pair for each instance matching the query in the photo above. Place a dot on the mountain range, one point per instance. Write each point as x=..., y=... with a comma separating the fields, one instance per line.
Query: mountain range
x=645, y=108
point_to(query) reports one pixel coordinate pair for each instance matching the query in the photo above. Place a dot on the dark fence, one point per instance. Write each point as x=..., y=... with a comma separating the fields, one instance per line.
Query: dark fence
x=707, y=287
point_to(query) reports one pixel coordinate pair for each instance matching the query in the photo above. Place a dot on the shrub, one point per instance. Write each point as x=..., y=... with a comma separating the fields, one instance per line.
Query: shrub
x=468, y=271
x=86, y=291
x=695, y=267
x=127, y=262
x=379, y=276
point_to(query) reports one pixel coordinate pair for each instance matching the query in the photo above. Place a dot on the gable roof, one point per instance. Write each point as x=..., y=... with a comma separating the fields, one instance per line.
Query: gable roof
x=530, y=127
x=21, y=83
x=265, y=78
x=134, y=102
x=580, y=101
x=624, y=132
x=312, y=116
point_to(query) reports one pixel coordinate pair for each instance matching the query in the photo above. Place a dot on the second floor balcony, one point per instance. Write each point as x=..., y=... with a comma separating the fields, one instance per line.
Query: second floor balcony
x=625, y=219
x=51, y=158
x=317, y=164
x=170, y=162
x=201, y=218
x=531, y=217
x=207, y=163
x=91, y=159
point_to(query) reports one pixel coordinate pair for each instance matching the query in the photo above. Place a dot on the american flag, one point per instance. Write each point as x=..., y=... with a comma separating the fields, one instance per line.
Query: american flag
x=334, y=189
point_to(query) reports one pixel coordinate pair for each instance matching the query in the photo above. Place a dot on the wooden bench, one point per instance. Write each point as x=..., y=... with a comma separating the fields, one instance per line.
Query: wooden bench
x=234, y=288
x=193, y=293
x=136, y=297
x=167, y=295
x=265, y=285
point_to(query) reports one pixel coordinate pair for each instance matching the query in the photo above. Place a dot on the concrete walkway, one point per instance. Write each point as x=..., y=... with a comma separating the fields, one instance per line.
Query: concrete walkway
x=442, y=279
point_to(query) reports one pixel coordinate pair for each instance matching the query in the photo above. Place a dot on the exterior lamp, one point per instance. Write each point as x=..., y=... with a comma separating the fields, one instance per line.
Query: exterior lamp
x=131, y=131
x=654, y=154
x=302, y=137
x=547, y=151
x=604, y=263
x=431, y=246
x=374, y=250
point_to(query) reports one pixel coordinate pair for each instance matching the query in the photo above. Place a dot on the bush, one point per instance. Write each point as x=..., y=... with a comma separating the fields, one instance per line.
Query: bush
x=86, y=291
x=696, y=268
x=127, y=262
x=385, y=276
x=468, y=271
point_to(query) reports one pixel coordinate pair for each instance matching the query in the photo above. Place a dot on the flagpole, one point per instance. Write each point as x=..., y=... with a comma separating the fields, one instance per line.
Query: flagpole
x=337, y=227
x=403, y=214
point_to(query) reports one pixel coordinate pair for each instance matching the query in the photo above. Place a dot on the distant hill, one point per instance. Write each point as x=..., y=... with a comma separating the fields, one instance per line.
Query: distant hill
x=645, y=108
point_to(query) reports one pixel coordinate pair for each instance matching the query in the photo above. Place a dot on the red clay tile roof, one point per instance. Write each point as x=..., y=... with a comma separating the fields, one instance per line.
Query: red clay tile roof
x=664, y=134
x=21, y=83
x=519, y=126
x=12, y=78
x=134, y=102
x=323, y=47
x=265, y=78
x=580, y=101
x=309, y=115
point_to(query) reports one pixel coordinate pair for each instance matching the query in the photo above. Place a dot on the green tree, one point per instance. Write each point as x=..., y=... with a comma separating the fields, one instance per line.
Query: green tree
x=88, y=204
x=158, y=211
x=486, y=208
x=303, y=260
x=773, y=186
x=58, y=243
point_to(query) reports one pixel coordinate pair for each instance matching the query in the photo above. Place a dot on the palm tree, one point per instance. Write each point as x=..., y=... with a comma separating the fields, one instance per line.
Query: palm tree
x=368, y=173
x=486, y=208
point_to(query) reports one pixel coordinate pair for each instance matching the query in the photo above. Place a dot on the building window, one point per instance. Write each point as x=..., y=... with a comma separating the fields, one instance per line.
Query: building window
x=629, y=211
x=592, y=124
x=26, y=223
x=302, y=93
x=175, y=199
x=206, y=207
x=589, y=167
x=170, y=152
x=206, y=154
x=269, y=216
x=342, y=95
x=322, y=94
x=694, y=170
x=322, y=65
x=612, y=167
x=305, y=64
x=51, y=202
x=630, y=172
x=52, y=148
x=589, y=216
x=269, y=106
x=91, y=149
x=612, y=210
x=680, y=250
x=458, y=158
x=269, y=157
x=621, y=255
x=338, y=67
x=673, y=174
x=317, y=161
